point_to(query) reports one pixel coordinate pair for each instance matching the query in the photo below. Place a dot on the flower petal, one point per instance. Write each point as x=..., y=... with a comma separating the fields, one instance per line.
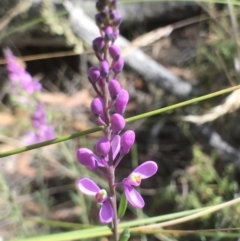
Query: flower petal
x=146, y=170
x=106, y=214
x=134, y=197
x=88, y=186
x=116, y=146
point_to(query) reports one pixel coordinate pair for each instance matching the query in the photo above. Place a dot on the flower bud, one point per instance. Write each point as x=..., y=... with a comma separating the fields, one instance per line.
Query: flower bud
x=117, y=123
x=121, y=101
x=104, y=68
x=114, y=88
x=114, y=52
x=93, y=74
x=97, y=106
x=87, y=158
x=118, y=66
x=109, y=36
x=99, y=19
x=127, y=140
x=116, y=18
x=103, y=147
x=98, y=44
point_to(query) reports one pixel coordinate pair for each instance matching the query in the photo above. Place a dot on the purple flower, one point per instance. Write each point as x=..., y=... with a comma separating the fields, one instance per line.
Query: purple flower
x=89, y=187
x=104, y=68
x=145, y=170
x=114, y=52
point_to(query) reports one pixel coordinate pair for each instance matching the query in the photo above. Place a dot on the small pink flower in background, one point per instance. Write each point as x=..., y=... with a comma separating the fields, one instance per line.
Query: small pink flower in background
x=90, y=188
x=145, y=170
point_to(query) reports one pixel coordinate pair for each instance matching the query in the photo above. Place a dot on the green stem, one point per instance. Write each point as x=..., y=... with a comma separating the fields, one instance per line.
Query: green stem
x=134, y=118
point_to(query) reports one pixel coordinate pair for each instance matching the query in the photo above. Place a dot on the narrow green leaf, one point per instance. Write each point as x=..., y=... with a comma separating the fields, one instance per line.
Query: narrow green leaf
x=125, y=235
x=134, y=118
x=122, y=206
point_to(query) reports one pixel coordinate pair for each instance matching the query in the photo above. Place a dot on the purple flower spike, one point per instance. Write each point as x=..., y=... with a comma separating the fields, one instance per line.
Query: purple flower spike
x=145, y=170
x=87, y=158
x=93, y=74
x=97, y=106
x=114, y=52
x=89, y=187
x=121, y=101
x=118, y=66
x=117, y=123
x=98, y=44
x=103, y=147
x=104, y=68
x=109, y=36
x=127, y=140
x=114, y=88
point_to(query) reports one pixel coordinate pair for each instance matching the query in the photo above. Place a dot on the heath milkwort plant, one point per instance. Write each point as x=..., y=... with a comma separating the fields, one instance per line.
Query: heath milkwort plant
x=24, y=90
x=111, y=98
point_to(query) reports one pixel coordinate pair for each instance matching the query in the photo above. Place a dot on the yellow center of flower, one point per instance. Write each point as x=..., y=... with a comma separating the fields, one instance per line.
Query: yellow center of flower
x=135, y=178
x=101, y=196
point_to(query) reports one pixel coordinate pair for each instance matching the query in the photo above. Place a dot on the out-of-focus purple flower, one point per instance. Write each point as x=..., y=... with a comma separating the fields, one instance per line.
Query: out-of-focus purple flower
x=103, y=147
x=114, y=88
x=42, y=130
x=97, y=106
x=18, y=76
x=117, y=123
x=127, y=140
x=121, y=101
x=90, y=188
x=145, y=170
x=87, y=158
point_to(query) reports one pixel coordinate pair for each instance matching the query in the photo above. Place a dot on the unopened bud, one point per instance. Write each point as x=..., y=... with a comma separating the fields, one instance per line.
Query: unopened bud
x=127, y=140
x=103, y=147
x=109, y=36
x=98, y=44
x=93, y=74
x=114, y=88
x=104, y=68
x=117, y=123
x=97, y=106
x=114, y=52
